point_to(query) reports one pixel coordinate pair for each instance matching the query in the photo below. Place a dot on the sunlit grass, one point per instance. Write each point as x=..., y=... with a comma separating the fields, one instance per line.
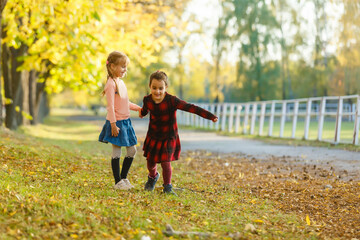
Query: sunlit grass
x=56, y=182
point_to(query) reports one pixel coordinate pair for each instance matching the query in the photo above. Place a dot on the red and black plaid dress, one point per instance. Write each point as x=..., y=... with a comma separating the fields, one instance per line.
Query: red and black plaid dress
x=162, y=143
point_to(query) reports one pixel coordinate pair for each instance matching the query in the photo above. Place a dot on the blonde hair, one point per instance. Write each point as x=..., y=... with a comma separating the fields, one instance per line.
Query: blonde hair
x=115, y=57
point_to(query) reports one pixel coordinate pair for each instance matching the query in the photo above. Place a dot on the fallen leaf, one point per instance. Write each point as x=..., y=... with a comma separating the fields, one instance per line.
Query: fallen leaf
x=307, y=220
x=258, y=221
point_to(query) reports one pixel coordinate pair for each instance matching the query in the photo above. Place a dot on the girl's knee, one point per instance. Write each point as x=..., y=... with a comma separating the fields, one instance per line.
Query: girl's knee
x=116, y=151
x=131, y=151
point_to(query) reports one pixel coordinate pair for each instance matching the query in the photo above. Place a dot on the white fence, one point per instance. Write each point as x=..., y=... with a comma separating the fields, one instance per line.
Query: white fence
x=254, y=117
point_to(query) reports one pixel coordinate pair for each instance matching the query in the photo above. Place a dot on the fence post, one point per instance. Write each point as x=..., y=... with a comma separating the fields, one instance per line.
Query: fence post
x=179, y=117
x=212, y=110
x=307, y=119
x=296, y=111
x=231, y=117
x=237, y=119
x=246, y=118
x=282, y=121
x=205, y=121
x=357, y=122
x=353, y=109
x=321, y=118
x=253, y=118
x=183, y=122
x=218, y=106
x=197, y=118
x=201, y=119
x=338, y=120
x=223, y=123
x=191, y=120
x=271, y=122
x=262, y=117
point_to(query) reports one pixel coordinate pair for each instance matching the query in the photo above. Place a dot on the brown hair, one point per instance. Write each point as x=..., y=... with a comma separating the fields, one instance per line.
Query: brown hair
x=115, y=57
x=159, y=75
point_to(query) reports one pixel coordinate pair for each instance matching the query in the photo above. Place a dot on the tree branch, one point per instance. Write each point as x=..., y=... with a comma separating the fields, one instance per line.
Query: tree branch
x=2, y=5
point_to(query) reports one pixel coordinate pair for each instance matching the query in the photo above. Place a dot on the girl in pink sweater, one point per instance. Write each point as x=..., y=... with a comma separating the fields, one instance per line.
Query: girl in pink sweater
x=117, y=128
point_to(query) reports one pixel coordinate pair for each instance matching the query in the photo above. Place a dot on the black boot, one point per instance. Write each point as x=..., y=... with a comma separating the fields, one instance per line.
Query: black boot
x=150, y=184
x=168, y=189
x=115, y=165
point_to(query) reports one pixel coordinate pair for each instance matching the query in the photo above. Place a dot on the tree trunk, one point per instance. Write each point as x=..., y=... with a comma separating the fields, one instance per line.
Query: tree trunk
x=17, y=80
x=41, y=103
x=2, y=6
x=44, y=109
x=9, y=108
x=24, y=102
x=32, y=97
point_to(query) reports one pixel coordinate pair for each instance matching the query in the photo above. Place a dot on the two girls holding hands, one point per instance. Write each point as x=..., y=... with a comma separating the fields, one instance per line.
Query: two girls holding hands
x=162, y=143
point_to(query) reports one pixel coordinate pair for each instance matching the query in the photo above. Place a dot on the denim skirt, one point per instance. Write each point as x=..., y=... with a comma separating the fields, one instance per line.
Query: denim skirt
x=126, y=136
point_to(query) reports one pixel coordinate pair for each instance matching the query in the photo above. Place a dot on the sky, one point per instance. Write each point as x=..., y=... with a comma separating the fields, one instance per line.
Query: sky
x=209, y=11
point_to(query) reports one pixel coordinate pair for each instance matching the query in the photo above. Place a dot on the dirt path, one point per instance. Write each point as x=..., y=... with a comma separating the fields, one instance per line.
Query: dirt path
x=346, y=163
x=209, y=141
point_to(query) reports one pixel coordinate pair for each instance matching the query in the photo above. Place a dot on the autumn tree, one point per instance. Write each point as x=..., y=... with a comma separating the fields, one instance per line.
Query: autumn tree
x=63, y=44
x=2, y=6
x=253, y=23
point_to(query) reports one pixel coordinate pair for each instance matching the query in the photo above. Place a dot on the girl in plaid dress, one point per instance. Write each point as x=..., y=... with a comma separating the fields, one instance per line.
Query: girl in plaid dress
x=162, y=143
x=117, y=128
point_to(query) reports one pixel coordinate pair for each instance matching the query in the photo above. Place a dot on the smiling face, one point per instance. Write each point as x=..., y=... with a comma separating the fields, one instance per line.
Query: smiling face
x=119, y=69
x=157, y=88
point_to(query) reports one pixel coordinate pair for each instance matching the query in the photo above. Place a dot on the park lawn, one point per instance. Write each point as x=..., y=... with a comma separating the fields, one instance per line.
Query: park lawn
x=56, y=182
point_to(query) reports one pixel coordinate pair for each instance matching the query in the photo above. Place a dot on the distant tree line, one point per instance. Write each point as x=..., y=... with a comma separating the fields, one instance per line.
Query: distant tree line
x=261, y=50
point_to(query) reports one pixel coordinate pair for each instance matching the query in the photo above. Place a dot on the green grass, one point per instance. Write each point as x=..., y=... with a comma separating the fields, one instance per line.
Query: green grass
x=56, y=182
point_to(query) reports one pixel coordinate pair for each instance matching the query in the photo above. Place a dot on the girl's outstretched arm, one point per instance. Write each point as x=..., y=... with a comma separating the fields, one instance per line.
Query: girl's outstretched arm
x=134, y=107
x=192, y=108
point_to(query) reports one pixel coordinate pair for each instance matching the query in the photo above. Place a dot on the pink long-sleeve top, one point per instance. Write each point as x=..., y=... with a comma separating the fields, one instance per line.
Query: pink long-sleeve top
x=118, y=106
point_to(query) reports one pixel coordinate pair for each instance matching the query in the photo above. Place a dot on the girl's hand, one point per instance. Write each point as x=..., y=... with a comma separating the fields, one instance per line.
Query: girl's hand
x=114, y=130
x=140, y=115
x=215, y=120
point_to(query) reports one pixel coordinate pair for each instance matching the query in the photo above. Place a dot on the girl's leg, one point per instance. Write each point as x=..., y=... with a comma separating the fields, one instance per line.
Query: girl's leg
x=167, y=172
x=130, y=154
x=151, y=166
x=153, y=175
x=115, y=162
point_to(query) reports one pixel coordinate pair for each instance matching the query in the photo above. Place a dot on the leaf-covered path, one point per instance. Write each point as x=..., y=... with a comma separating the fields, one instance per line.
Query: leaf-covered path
x=346, y=163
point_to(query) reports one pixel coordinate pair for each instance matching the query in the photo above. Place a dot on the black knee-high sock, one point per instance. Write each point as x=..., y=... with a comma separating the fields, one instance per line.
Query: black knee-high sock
x=115, y=165
x=126, y=166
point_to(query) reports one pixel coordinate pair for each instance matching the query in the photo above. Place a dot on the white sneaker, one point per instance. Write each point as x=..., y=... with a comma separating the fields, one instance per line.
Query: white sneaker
x=128, y=183
x=121, y=185
x=124, y=184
